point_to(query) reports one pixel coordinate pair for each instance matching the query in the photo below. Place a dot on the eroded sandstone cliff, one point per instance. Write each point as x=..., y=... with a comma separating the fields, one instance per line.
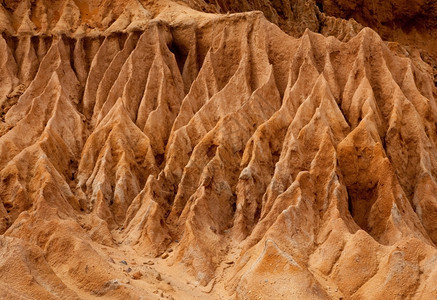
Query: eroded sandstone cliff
x=149, y=150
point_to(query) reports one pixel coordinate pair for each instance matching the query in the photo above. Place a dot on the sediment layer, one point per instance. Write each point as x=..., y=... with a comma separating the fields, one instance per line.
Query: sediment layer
x=253, y=163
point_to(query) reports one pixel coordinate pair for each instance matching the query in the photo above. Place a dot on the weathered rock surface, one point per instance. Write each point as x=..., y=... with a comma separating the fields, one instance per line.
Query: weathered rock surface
x=235, y=159
x=411, y=23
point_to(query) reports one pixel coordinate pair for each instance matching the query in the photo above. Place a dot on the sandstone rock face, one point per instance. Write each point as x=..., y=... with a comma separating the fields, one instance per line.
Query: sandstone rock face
x=150, y=150
x=412, y=23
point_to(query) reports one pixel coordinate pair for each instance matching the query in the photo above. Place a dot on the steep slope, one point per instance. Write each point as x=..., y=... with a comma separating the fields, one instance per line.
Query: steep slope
x=148, y=150
x=412, y=23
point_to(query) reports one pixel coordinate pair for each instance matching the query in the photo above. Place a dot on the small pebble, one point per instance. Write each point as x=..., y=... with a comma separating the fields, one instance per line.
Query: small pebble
x=123, y=262
x=128, y=270
x=158, y=277
x=137, y=275
x=164, y=256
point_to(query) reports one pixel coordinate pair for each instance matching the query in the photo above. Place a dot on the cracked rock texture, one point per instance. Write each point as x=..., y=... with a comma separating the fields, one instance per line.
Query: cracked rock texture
x=162, y=149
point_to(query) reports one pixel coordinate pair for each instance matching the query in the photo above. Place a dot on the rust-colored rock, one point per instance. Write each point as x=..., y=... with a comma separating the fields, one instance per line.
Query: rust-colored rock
x=237, y=160
x=137, y=275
